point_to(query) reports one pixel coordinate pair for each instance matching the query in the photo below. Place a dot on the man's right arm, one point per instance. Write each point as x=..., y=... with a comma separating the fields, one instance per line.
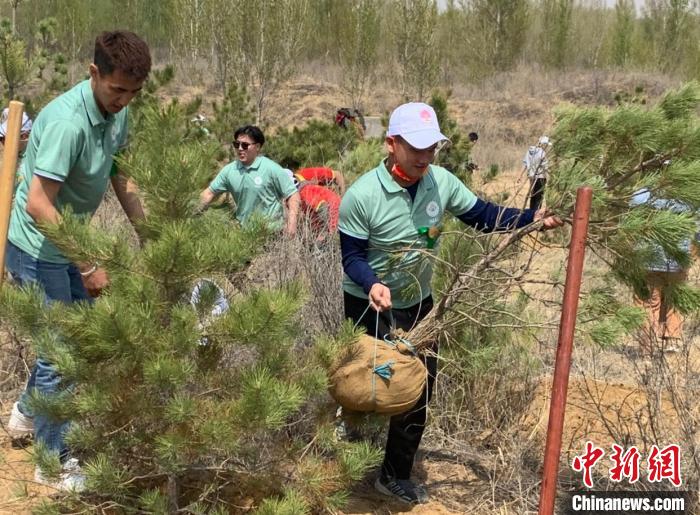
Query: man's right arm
x=41, y=200
x=41, y=206
x=354, y=257
x=206, y=198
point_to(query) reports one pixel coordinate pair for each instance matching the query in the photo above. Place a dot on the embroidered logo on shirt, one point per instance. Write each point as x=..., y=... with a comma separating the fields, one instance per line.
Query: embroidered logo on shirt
x=432, y=209
x=258, y=181
x=115, y=135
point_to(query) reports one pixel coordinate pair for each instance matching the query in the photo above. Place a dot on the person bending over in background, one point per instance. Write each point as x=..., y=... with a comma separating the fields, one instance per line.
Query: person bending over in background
x=69, y=162
x=664, y=324
x=319, y=203
x=321, y=175
x=389, y=226
x=257, y=183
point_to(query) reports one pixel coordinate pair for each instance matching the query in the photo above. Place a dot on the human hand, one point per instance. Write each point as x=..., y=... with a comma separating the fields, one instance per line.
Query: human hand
x=380, y=297
x=95, y=281
x=549, y=219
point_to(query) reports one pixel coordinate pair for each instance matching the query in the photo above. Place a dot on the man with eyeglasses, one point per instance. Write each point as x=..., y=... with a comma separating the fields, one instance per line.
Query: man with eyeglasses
x=257, y=184
x=389, y=227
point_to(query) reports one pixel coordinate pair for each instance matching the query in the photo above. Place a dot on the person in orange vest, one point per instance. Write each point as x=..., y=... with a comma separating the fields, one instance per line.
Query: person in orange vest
x=321, y=175
x=318, y=201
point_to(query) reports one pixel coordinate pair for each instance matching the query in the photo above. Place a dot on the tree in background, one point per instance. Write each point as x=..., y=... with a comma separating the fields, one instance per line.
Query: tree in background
x=357, y=26
x=192, y=30
x=271, y=41
x=498, y=29
x=622, y=33
x=14, y=63
x=413, y=30
x=225, y=39
x=556, y=31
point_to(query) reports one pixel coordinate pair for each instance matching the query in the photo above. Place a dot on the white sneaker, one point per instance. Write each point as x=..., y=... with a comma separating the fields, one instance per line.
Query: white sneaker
x=71, y=479
x=19, y=424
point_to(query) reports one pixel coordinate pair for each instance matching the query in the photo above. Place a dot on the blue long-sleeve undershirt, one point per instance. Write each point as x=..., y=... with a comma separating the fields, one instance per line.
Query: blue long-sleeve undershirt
x=483, y=216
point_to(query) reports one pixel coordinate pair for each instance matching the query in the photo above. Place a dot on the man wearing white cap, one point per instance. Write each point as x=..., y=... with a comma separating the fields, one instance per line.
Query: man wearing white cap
x=536, y=166
x=389, y=226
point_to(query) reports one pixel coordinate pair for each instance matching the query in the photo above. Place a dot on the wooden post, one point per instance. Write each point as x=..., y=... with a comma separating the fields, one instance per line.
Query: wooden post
x=7, y=176
x=567, y=325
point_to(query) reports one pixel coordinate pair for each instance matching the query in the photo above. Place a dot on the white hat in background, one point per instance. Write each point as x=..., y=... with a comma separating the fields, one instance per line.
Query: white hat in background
x=26, y=122
x=544, y=140
x=417, y=123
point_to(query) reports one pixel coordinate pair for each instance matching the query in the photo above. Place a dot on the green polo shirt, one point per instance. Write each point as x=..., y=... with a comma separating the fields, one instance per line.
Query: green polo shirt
x=378, y=209
x=260, y=187
x=73, y=143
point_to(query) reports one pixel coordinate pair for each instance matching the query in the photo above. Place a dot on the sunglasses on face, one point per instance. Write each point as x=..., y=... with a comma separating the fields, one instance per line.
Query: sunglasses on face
x=243, y=145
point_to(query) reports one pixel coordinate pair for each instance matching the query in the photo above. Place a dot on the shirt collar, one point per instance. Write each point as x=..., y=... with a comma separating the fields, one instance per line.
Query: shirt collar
x=391, y=186
x=93, y=111
x=253, y=166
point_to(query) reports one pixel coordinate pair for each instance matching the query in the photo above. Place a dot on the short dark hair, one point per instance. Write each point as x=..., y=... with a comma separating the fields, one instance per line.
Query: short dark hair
x=473, y=136
x=122, y=50
x=252, y=132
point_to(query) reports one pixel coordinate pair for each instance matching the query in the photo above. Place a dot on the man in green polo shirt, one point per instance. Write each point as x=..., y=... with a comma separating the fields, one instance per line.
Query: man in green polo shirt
x=69, y=162
x=258, y=184
x=389, y=227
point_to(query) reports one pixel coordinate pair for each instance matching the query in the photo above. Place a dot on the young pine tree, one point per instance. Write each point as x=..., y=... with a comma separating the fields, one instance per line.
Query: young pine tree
x=619, y=152
x=173, y=409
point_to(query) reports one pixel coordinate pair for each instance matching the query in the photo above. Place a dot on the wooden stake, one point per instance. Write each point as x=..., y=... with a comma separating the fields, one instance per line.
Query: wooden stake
x=562, y=367
x=7, y=176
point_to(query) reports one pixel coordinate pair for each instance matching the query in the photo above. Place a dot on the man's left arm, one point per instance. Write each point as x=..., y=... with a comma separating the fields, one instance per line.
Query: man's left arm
x=489, y=217
x=292, y=203
x=128, y=195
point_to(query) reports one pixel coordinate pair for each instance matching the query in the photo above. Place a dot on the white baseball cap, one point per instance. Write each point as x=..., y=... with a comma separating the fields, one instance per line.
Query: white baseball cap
x=544, y=140
x=26, y=122
x=417, y=123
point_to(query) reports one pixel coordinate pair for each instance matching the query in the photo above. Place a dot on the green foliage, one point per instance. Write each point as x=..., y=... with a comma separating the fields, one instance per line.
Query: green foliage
x=455, y=155
x=618, y=152
x=15, y=66
x=413, y=33
x=316, y=144
x=357, y=26
x=234, y=111
x=157, y=396
x=622, y=32
x=362, y=158
x=498, y=30
x=605, y=319
x=556, y=31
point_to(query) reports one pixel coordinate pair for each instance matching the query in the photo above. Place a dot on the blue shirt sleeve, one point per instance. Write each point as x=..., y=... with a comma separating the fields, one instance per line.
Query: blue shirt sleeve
x=489, y=217
x=355, y=264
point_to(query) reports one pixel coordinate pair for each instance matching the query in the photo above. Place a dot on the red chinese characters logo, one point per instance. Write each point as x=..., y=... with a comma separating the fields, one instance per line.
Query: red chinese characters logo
x=665, y=464
x=585, y=462
x=662, y=464
x=625, y=464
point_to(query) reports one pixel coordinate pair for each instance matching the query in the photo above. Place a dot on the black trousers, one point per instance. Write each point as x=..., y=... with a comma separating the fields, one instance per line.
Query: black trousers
x=405, y=429
x=537, y=193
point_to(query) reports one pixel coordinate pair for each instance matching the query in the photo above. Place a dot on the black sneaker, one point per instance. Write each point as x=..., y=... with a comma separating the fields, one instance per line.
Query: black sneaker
x=402, y=490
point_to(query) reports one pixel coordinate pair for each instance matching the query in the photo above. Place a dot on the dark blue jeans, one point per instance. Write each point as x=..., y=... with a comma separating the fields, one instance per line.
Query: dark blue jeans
x=61, y=283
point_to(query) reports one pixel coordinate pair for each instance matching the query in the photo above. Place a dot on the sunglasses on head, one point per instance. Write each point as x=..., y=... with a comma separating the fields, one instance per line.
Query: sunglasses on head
x=242, y=145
